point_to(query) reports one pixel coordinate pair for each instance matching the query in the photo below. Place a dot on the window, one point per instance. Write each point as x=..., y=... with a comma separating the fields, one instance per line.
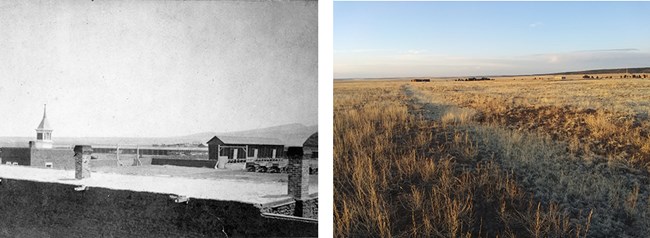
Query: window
x=49, y=165
x=39, y=136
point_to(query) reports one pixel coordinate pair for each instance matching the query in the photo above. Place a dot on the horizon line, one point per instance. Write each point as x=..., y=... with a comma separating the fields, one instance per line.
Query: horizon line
x=492, y=75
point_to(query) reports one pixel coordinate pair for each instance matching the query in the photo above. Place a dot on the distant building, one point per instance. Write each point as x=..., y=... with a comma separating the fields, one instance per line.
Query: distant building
x=40, y=152
x=43, y=133
x=244, y=147
x=310, y=147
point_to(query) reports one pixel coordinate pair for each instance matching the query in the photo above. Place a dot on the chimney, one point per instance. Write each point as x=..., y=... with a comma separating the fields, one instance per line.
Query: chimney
x=82, y=155
x=298, y=169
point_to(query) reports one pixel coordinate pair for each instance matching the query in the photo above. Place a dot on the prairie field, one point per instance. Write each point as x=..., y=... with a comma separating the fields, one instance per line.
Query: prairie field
x=502, y=158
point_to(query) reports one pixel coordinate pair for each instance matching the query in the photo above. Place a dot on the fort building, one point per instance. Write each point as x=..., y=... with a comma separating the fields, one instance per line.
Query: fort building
x=40, y=152
x=239, y=148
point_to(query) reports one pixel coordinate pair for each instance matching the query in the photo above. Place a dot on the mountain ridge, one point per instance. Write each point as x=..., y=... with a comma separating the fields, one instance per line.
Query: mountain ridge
x=291, y=134
x=637, y=70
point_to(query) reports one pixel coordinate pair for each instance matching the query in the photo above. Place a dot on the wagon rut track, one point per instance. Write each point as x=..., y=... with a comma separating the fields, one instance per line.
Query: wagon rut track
x=617, y=194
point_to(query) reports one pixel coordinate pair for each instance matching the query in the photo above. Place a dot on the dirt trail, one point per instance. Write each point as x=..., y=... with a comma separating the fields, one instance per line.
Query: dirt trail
x=429, y=111
x=617, y=194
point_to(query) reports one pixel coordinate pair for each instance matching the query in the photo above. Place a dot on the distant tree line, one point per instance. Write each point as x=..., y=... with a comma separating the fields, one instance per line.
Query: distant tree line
x=634, y=76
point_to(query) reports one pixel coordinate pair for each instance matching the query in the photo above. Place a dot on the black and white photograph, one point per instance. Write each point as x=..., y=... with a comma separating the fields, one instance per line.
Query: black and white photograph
x=159, y=118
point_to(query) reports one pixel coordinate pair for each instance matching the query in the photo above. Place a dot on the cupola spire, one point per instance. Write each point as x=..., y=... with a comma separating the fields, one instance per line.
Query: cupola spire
x=43, y=133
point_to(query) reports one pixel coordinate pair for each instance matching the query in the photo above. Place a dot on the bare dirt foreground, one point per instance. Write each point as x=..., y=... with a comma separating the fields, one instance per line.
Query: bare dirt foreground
x=224, y=185
x=46, y=203
x=516, y=158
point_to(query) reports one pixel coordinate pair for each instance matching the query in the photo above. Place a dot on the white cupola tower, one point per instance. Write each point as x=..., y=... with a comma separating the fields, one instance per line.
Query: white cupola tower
x=44, y=132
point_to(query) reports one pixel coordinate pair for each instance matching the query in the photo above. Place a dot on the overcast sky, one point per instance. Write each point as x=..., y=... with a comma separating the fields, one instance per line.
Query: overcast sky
x=157, y=68
x=393, y=39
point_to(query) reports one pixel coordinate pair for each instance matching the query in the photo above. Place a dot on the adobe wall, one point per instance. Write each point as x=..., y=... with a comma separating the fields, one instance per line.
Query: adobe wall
x=310, y=207
x=19, y=155
x=108, y=163
x=36, y=209
x=64, y=159
x=145, y=161
x=184, y=162
x=307, y=208
x=193, y=157
x=60, y=158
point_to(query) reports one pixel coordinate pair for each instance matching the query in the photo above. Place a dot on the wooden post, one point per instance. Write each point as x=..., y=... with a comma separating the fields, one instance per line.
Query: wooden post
x=137, y=154
x=117, y=154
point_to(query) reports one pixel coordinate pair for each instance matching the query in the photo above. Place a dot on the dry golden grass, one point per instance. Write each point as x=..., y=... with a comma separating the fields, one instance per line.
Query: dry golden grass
x=393, y=179
x=599, y=118
x=440, y=159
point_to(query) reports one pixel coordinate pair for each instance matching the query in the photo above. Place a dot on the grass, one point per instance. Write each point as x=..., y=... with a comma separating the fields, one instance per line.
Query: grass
x=486, y=159
x=601, y=118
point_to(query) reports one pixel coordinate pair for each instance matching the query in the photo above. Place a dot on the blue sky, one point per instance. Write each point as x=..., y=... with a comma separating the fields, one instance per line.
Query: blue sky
x=389, y=39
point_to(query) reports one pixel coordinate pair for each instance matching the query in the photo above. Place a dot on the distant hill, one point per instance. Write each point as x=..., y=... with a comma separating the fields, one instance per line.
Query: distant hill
x=290, y=134
x=641, y=70
x=606, y=71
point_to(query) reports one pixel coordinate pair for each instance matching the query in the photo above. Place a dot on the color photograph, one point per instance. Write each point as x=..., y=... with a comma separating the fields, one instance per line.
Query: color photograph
x=491, y=119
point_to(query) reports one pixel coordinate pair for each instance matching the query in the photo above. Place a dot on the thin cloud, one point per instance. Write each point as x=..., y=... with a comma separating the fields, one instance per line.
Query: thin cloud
x=415, y=52
x=609, y=50
x=535, y=24
x=361, y=50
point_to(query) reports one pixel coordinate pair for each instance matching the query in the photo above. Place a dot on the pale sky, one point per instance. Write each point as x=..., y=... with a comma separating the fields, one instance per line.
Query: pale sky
x=157, y=68
x=397, y=39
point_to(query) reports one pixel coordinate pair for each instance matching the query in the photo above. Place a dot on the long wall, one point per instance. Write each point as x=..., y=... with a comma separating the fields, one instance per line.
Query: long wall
x=36, y=209
x=185, y=162
x=18, y=155
x=60, y=158
x=306, y=208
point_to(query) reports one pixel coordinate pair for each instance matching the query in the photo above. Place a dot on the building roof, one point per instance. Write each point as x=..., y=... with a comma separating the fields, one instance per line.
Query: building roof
x=312, y=141
x=45, y=125
x=247, y=140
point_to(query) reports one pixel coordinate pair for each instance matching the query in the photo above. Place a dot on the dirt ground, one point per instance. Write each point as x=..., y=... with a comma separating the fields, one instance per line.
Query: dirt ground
x=225, y=185
x=232, y=172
